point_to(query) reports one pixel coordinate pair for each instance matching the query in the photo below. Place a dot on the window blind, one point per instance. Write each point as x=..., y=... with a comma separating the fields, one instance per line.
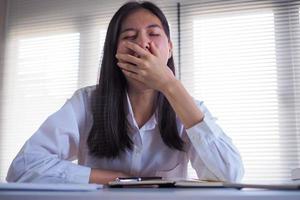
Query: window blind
x=242, y=58
x=53, y=48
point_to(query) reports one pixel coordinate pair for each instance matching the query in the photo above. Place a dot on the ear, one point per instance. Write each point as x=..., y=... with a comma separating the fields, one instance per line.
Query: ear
x=170, y=48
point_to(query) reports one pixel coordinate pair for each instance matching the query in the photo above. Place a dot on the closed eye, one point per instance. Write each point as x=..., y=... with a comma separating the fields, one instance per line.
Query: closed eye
x=154, y=34
x=130, y=37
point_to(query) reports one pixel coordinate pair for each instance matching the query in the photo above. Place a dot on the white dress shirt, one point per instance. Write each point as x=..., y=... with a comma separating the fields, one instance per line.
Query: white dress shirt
x=47, y=156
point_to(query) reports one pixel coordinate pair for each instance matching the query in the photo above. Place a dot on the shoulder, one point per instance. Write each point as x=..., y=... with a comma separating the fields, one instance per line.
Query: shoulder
x=85, y=92
x=81, y=98
x=83, y=95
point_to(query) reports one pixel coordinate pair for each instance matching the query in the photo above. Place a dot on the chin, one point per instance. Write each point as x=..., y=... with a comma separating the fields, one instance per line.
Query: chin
x=136, y=85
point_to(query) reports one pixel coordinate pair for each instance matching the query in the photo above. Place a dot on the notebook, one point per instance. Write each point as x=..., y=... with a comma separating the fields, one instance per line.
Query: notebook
x=166, y=183
x=196, y=183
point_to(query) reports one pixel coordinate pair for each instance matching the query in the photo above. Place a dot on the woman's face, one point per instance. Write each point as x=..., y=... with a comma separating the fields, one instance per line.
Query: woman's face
x=142, y=27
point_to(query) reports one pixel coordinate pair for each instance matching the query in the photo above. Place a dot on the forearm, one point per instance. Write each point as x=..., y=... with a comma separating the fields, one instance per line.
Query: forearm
x=104, y=176
x=182, y=103
x=213, y=155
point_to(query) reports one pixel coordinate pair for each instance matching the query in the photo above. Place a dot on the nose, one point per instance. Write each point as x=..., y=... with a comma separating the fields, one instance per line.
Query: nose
x=143, y=41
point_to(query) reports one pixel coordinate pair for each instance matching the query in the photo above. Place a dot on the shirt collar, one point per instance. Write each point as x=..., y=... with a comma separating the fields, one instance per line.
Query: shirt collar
x=149, y=125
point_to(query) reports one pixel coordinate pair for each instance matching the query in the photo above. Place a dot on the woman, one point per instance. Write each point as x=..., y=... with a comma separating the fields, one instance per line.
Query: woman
x=138, y=121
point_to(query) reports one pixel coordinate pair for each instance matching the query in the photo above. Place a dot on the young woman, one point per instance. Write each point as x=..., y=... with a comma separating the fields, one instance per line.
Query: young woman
x=138, y=120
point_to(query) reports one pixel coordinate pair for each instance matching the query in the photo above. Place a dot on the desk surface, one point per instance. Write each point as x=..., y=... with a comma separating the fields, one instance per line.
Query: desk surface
x=155, y=194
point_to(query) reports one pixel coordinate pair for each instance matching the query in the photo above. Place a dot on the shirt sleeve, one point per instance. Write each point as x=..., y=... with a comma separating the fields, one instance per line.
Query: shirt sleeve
x=212, y=153
x=47, y=156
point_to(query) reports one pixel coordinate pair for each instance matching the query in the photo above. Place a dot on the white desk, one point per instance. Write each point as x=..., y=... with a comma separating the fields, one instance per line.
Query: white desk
x=154, y=194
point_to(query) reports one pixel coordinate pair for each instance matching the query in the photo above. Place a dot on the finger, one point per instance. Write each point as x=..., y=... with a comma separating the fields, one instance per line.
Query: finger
x=154, y=49
x=128, y=67
x=136, y=48
x=128, y=58
x=131, y=75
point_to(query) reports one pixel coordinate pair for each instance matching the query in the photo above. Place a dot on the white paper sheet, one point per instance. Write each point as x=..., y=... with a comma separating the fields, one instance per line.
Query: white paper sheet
x=49, y=187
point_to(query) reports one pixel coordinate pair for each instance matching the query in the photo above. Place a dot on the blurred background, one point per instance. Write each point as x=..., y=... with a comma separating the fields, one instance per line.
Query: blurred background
x=241, y=57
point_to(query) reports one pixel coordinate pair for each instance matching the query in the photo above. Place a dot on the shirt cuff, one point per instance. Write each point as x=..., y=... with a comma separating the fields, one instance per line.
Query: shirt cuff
x=204, y=132
x=78, y=174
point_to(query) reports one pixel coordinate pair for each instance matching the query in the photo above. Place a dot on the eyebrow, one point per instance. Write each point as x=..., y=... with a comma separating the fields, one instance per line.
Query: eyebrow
x=149, y=26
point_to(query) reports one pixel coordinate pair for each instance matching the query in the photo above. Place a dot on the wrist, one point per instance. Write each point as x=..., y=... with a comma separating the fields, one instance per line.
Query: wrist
x=170, y=86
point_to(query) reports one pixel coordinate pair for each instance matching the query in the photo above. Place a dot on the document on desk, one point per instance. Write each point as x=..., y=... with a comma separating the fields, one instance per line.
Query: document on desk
x=199, y=183
x=166, y=183
x=49, y=187
x=196, y=183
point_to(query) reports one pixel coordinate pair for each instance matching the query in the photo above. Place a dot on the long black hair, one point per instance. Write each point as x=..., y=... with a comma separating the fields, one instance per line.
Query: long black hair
x=109, y=137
